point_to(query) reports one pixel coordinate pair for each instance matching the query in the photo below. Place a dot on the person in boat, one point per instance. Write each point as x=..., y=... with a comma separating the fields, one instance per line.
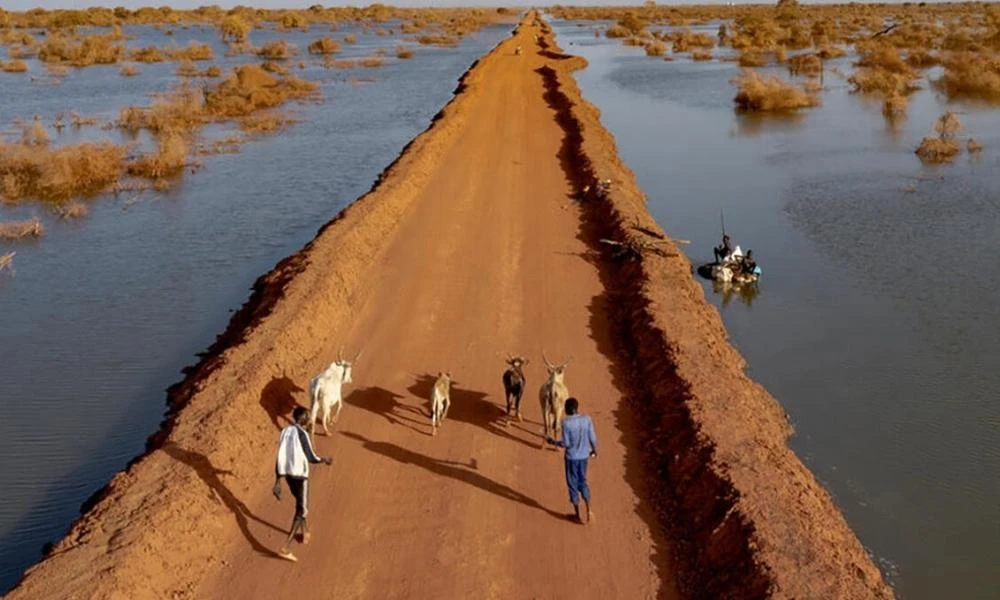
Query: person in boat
x=748, y=265
x=725, y=250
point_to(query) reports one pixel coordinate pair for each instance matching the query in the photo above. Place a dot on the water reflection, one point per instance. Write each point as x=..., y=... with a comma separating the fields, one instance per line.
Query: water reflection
x=746, y=293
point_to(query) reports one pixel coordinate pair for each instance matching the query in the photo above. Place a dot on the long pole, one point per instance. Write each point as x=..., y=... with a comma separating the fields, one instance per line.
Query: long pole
x=722, y=219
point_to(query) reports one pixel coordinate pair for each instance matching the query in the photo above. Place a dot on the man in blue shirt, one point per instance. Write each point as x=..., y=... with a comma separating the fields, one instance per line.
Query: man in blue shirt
x=580, y=442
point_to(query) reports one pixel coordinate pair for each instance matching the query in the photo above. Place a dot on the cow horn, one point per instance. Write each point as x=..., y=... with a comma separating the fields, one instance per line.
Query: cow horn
x=340, y=354
x=547, y=363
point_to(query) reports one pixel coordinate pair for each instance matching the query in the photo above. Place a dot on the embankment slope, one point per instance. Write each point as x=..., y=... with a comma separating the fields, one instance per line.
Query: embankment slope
x=470, y=246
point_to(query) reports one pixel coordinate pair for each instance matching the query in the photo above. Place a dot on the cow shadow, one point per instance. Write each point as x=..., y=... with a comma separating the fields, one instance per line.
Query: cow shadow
x=212, y=477
x=385, y=403
x=277, y=399
x=469, y=406
x=454, y=470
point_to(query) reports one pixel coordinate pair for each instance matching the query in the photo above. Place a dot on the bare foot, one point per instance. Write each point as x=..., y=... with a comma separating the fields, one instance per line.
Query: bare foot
x=307, y=536
x=287, y=555
x=590, y=517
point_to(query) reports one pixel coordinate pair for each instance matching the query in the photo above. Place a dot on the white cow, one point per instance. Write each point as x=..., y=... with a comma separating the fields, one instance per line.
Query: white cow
x=325, y=391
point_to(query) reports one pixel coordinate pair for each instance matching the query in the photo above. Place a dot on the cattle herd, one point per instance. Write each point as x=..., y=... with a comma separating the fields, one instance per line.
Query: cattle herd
x=326, y=393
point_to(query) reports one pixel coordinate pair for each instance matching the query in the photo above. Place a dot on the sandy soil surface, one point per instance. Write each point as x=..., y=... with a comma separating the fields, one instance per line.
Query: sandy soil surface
x=473, y=244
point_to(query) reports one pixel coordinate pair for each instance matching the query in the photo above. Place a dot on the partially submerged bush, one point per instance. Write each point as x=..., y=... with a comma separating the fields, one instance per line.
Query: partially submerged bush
x=885, y=83
x=403, y=52
x=16, y=230
x=234, y=29
x=371, y=62
x=168, y=159
x=13, y=66
x=128, y=71
x=324, y=46
x=250, y=88
x=701, y=55
x=89, y=50
x=944, y=147
x=656, y=48
x=276, y=50
x=894, y=107
x=752, y=58
x=58, y=174
x=193, y=51
x=150, y=54
x=437, y=40
x=769, y=93
x=805, y=64
x=971, y=76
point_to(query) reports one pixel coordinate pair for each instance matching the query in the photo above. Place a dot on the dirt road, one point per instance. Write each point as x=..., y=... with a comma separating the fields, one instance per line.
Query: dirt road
x=470, y=246
x=486, y=262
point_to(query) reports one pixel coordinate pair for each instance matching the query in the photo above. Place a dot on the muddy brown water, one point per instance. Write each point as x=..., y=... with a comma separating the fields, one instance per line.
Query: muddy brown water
x=875, y=323
x=104, y=312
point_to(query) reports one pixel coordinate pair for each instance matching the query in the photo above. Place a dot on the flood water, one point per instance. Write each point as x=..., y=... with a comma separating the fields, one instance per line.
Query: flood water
x=105, y=311
x=876, y=321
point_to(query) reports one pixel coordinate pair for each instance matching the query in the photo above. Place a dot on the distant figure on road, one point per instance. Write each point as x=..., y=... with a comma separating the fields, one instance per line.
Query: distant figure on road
x=580, y=442
x=295, y=452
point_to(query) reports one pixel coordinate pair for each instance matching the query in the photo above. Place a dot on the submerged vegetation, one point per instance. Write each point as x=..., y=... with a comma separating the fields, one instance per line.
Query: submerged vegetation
x=768, y=93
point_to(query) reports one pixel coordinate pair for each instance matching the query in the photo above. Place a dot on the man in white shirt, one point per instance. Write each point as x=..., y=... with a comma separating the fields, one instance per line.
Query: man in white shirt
x=295, y=453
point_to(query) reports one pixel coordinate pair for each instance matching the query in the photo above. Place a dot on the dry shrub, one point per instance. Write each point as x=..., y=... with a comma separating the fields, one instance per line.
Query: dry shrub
x=324, y=46
x=128, y=71
x=168, y=159
x=656, y=48
x=35, y=134
x=403, y=52
x=181, y=109
x=371, y=62
x=250, y=88
x=882, y=57
x=16, y=230
x=276, y=50
x=944, y=147
x=894, y=107
x=186, y=69
x=971, y=76
x=752, y=58
x=150, y=54
x=921, y=59
x=7, y=263
x=294, y=20
x=273, y=67
x=13, y=66
x=685, y=41
x=973, y=146
x=78, y=120
x=81, y=52
x=805, y=64
x=58, y=174
x=329, y=63
x=617, y=31
x=437, y=40
x=72, y=210
x=936, y=150
x=878, y=81
x=769, y=93
x=193, y=51
x=350, y=38
x=701, y=55
x=234, y=29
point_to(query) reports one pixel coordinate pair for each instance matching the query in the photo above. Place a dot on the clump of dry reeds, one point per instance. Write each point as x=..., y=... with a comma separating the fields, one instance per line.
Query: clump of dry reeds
x=437, y=40
x=769, y=93
x=371, y=62
x=656, y=48
x=149, y=54
x=234, y=29
x=250, y=88
x=403, y=52
x=193, y=52
x=16, y=230
x=265, y=123
x=752, y=58
x=181, y=109
x=944, y=147
x=97, y=49
x=277, y=50
x=973, y=146
x=168, y=159
x=809, y=65
x=894, y=107
x=7, y=262
x=13, y=66
x=350, y=38
x=324, y=46
x=971, y=76
x=72, y=210
x=128, y=71
x=701, y=55
x=37, y=171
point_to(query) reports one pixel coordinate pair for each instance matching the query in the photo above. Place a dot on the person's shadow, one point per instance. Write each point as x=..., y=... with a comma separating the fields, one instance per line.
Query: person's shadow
x=451, y=469
x=468, y=406
x=212, y=478
x=277, y=400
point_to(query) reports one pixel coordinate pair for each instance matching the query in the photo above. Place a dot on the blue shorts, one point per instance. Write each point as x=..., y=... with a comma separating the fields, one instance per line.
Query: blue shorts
x=576, y=480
